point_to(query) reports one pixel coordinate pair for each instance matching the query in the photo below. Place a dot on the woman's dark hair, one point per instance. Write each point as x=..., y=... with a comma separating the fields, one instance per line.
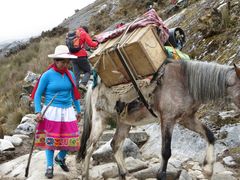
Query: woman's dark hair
x=58, y=59
x=85, y=28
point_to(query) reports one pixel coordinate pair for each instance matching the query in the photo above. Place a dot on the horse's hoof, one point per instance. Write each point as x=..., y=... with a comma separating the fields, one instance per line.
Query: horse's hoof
x=78, y=160
x=123, y=176
x=84, y=177
x=208, y=170
x=162, y=176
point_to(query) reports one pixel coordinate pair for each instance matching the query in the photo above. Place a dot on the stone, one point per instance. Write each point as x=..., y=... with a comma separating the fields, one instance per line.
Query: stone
x=132, y=165
x=137, y=136
x=7, y=155
x=176, y=163
x=218, y=168
x=16, y=141
x=151, y=172
x=16, y=168
x=27, y=125
x=232, y=139
x=6, y=145
x=26, y=128
x=229, y=161
x=222, y=177
x=184, y=144
x=105, y=154
x=107, y=135
x=31, y=77
x=22, y=136
x=184, y=175
x=25, y=101
x=28, y=117
x=228, y=114
x=154, y=160
x=195, y=173
x=196, y=167
x=96, y=171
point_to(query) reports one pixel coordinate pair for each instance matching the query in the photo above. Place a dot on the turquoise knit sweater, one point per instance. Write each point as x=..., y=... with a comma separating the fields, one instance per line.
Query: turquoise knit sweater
x=51, y=83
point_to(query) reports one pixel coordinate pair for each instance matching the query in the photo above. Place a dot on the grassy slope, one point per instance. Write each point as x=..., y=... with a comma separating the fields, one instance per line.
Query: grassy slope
x=12, y=72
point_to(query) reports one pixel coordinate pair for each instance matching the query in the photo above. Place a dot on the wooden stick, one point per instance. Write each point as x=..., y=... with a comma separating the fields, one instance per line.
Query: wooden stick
x=31, y=151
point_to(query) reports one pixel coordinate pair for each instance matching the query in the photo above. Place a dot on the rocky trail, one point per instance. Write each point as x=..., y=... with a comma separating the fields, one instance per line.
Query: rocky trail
x=142, y=150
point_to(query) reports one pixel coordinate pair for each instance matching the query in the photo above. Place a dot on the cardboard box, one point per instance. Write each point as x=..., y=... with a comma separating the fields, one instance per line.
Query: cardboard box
x=142, y=50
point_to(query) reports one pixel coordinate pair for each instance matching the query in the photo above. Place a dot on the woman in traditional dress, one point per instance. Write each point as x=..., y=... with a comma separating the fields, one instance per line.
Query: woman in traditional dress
x=57, y=128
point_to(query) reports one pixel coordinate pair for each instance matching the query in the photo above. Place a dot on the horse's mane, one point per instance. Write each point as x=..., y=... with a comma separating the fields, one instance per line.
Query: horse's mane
x=206, y=81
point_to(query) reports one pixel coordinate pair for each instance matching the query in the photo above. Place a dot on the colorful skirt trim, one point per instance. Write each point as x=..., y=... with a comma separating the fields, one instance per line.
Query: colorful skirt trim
x=58, y=130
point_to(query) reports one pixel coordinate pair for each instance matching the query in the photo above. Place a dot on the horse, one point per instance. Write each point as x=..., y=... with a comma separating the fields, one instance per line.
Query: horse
x=175, y=96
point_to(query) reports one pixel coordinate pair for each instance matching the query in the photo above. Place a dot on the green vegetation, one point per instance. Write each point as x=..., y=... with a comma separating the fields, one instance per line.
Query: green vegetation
x=12, y=72
x=235, y=153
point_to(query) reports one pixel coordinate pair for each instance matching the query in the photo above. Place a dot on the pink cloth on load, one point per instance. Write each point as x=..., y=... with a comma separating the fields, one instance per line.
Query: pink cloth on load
x=150, y=17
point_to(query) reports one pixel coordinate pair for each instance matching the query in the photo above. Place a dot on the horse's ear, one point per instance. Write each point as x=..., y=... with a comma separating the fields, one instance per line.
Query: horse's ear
x=237, y=70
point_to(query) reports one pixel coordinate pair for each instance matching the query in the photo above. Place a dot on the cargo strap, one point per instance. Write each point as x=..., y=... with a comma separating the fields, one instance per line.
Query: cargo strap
x=133, y=80
x=160, y=72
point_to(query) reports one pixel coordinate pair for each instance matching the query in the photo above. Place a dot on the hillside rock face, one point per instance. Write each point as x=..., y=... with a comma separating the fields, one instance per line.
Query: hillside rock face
x=82, y=17
x=8, y=48
x=209, y=26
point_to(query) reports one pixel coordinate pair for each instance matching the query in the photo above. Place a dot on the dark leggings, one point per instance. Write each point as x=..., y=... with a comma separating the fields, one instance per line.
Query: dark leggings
x=81, y=65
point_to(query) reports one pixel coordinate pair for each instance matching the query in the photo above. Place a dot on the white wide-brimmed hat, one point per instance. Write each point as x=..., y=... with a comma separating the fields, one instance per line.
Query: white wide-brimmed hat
x=62, y=52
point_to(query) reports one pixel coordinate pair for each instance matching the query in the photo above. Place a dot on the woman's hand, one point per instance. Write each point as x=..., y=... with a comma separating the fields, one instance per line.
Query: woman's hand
x=39, y=117
x=78, y=117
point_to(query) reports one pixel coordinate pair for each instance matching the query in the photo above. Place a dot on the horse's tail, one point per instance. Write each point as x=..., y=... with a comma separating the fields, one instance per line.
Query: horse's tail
x=87, y=126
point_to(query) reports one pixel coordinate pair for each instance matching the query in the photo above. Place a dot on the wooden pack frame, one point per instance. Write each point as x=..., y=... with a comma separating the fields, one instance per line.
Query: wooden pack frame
x=143, y=51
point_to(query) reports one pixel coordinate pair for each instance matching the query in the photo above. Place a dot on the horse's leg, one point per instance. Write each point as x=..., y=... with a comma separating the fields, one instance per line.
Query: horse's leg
x=117, y=147
x=97, y=129
x=167, y=125
x=195, y=125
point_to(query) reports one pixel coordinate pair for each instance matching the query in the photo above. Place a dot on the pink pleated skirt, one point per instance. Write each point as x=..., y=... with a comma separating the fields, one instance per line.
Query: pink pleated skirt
x=58, y=130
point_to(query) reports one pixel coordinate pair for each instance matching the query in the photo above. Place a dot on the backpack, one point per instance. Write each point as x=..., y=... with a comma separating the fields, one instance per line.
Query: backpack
x=73, y=41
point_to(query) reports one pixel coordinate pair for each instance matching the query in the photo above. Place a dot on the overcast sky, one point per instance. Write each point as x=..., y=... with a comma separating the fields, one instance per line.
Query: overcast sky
x=25, y=18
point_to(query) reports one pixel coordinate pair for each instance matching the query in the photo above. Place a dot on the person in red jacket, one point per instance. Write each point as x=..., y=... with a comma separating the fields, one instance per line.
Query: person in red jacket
x=81, y=64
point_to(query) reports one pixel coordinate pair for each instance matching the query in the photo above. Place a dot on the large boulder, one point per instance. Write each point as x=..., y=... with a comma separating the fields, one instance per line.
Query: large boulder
x=105, y=154
x=186, y=144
